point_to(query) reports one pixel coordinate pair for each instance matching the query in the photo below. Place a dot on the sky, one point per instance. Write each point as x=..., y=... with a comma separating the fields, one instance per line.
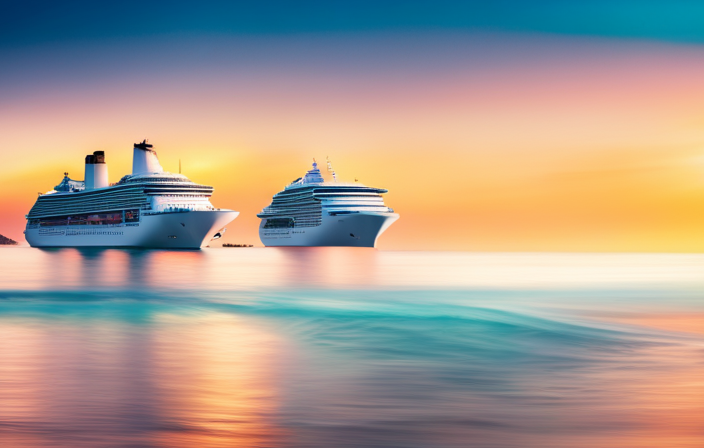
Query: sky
x=514, y=126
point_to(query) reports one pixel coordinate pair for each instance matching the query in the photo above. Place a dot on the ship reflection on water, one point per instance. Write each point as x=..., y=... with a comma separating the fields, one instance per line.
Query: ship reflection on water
x=214, y=269
x=349, y=347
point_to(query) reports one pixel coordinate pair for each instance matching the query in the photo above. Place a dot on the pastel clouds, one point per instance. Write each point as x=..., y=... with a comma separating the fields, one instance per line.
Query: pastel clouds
x=486, y=142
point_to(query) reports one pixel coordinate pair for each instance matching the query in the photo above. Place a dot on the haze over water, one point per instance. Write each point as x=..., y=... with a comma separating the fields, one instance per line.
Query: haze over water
x=350, y=347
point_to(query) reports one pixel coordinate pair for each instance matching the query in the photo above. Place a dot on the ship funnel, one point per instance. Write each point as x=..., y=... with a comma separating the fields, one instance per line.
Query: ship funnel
x=144, y=160
x=96, y=171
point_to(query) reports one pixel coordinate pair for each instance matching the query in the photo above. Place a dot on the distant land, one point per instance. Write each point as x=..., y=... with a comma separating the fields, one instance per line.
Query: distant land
x=7, y=241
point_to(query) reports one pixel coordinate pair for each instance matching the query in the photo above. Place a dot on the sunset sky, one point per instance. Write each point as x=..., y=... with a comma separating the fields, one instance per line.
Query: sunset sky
x=512, y=127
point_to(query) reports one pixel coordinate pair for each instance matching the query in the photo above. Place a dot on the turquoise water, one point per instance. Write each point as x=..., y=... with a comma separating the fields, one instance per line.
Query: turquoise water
x=350, y=347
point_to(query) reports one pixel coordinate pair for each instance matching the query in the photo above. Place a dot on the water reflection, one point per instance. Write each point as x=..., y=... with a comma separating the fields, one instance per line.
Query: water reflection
x=340, y=268
x=96, y=268
x=94, y=377
x=334, y=347
x=221, y=384
x=241, y=268
x=305, y=267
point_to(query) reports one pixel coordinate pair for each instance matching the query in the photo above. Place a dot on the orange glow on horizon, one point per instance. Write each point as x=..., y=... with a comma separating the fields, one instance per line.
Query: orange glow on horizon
x=600, y=154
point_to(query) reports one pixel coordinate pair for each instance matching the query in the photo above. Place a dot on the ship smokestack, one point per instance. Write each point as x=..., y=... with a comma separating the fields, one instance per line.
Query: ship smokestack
x=144, y=159
x=96, y=171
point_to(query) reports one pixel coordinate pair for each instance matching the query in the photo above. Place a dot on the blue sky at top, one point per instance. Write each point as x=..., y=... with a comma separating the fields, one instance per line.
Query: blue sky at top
x=38, y=22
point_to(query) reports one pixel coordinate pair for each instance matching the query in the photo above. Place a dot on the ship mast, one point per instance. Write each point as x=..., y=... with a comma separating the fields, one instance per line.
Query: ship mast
x=330, y=170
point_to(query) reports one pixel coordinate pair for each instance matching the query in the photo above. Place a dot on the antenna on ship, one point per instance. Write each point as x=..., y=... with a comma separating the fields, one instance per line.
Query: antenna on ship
x=330, y=170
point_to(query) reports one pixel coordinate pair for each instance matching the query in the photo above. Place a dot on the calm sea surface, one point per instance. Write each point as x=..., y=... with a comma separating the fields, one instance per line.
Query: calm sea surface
x=332, y=347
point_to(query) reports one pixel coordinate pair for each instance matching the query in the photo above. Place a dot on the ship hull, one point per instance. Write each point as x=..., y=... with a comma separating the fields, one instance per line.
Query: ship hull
x=178, y=230
x=354, y=229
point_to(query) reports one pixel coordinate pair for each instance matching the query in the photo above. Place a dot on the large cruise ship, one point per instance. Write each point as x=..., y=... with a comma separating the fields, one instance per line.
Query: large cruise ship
x=147, y=208
x=311, y=211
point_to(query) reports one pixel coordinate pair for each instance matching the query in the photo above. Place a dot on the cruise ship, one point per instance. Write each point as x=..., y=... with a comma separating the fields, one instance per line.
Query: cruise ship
x=311, y=211
x=149, y=208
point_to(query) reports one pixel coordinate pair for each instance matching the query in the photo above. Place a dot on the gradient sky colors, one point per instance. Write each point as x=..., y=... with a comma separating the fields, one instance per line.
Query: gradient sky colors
x=509, y=127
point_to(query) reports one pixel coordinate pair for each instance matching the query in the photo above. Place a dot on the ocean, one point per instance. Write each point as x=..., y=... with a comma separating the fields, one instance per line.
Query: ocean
x=341, y=347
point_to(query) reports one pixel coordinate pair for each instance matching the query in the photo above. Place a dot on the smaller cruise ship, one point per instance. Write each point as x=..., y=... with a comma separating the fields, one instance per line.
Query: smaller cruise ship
x=311, y=211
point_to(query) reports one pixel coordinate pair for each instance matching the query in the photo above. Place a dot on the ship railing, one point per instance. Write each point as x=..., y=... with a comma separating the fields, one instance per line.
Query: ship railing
x=181, y=210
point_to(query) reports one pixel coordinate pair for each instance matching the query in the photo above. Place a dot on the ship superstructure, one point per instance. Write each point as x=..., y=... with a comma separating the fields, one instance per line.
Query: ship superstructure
x=311, y=211
x=147, y=208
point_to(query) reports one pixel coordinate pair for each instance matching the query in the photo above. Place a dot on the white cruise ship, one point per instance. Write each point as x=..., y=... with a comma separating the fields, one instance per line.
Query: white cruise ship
x=313, y=212
x=149, y=208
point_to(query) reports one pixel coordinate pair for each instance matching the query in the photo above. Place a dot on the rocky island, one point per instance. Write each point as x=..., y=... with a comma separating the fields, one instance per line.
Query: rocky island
x=5, y=241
